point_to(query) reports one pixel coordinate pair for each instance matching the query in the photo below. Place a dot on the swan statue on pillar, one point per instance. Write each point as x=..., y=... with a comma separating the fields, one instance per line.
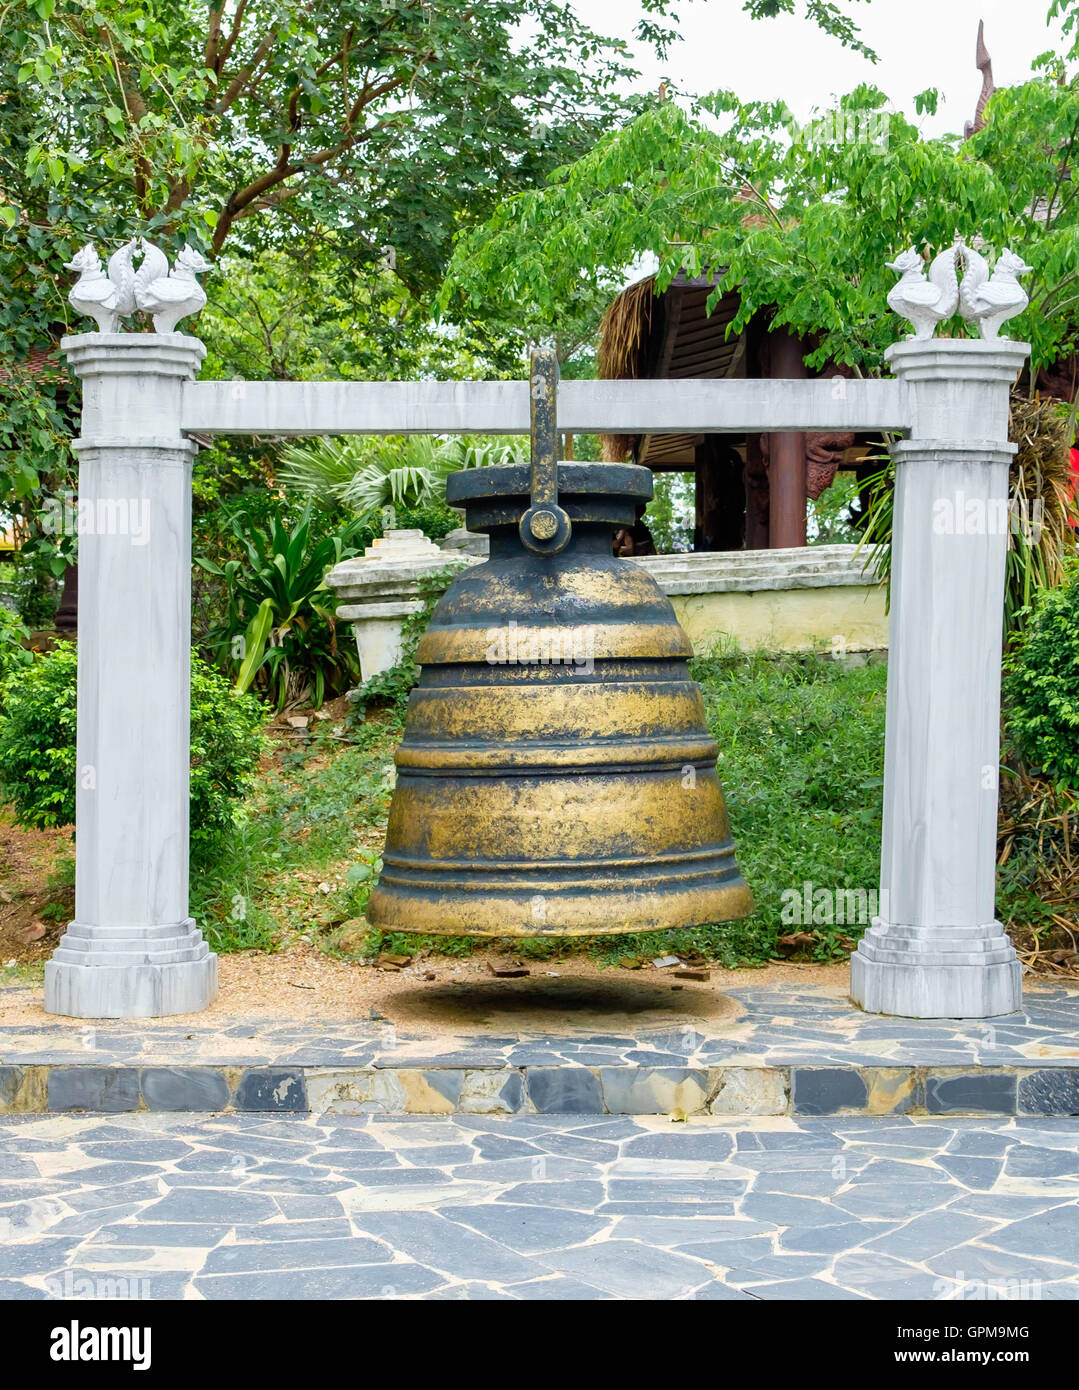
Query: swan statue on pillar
x=988, y=301
x=106, y=298
x=169, y=297
x=925, y=302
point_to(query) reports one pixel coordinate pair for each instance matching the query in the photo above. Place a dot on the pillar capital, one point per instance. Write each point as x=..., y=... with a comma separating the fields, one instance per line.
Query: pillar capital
x=958, y=451
x=162, y=354
x=958, y=386
x=951, y=359
x=132, y=385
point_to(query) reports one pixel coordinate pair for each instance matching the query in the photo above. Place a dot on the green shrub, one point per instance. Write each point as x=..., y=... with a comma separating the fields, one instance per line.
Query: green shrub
x=13, y=654
x=1041, y=684
x=37, y=745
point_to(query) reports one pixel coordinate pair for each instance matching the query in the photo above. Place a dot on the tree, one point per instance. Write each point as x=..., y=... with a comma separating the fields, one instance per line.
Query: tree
x=801, y=220
x=359, y=135
x=387, y=121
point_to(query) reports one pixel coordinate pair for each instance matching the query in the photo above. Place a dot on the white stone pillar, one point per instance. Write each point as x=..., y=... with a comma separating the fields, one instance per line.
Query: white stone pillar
x=936, y=950
x=132, y=950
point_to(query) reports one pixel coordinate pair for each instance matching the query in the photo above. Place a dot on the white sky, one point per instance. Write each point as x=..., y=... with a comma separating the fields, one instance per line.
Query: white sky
x=921, y=43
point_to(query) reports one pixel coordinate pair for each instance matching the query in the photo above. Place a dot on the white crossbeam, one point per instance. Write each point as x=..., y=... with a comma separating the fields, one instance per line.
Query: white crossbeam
x=501, y=407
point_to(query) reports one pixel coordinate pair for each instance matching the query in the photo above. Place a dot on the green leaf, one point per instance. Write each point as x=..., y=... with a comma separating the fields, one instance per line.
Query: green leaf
x=255, y=638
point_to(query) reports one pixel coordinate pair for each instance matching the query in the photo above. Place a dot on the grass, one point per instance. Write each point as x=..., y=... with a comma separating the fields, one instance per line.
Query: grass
x=304, y=846
x=801, y=743
x=801, y=754
x=801, y=762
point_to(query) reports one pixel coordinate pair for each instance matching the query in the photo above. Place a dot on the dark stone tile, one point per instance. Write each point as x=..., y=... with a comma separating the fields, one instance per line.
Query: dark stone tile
x=830, y=1240
x=35, y=1257
x=565, y=1091
x=629, y=1270
x=992, y=1092
x=676, y=1189
x=106, y=1089
x=527, y=1229
x=295, y=1255
x=10, y=1081
x=210, y=1207
x=827, y=1090
x=498, y=1146
x=192, y=1235
x=430, y=1239
x=184, y=1088
x=287, y=1285
x=573, y=1195
x=271, y=1088
x=295, y=1230
x=1050, y=1091
x=978, y=1173
x=1029, y=1161
x=658, y=1208
x=136, y=1149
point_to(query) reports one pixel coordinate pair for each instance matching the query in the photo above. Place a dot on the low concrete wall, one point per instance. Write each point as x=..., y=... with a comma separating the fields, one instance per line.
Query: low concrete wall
x=809, y=598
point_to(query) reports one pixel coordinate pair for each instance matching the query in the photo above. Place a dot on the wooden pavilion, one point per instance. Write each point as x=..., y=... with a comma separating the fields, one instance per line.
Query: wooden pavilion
x=751, y=491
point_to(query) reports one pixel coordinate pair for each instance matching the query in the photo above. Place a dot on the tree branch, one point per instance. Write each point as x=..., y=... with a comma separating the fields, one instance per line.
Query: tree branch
x=213, y=36
x=244, y=76
x=234, y=33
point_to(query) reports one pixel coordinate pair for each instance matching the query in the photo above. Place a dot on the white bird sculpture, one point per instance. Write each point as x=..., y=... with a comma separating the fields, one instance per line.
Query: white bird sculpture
x=106, y=298
x=990, y=300
x=169, y=297
x=925, y=302
x=122, y=275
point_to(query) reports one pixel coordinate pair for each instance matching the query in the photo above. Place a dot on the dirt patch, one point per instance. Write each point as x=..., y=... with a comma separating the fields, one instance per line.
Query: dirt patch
x=302, y=984
x=33, y=915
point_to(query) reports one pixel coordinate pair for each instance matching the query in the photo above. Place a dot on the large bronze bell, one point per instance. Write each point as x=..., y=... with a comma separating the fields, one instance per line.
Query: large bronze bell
x=556, y=774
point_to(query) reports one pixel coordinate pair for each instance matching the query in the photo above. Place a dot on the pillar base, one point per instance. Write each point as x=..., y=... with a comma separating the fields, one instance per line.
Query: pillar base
x=936, y=972
x=130, y=972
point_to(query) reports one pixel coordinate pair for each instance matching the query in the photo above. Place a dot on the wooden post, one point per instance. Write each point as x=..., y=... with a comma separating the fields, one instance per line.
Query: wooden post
x=786, y=468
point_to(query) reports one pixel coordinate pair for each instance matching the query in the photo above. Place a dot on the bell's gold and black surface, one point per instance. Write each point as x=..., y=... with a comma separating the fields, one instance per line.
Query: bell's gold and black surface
x=556, y=774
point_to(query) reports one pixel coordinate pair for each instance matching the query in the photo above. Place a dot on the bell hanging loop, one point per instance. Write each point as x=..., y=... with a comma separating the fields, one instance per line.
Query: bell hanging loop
x=545, y=528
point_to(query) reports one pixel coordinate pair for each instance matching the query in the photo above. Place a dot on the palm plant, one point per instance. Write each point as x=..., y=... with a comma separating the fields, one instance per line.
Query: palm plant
x=368, y=473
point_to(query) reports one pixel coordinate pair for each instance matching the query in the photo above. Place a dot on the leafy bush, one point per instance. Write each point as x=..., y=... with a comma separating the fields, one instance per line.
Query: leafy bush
x=436, y=520
x=1041, y=684
x=37, y=740
x=37, y=745
x=279, y=634
x=13, y=633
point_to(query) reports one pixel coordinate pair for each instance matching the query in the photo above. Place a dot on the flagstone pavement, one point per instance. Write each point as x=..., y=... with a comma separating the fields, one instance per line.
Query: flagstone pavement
x=537, y=1207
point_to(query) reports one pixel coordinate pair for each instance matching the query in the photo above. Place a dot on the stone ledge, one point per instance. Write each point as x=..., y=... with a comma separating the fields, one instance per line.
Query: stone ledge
x=756, y=571
x=677, y=1091
x=732, y=571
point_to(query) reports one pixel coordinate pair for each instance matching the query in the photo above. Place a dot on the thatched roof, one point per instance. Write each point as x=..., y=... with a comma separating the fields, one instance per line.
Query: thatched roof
x=623, y=340
x=670, y=335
